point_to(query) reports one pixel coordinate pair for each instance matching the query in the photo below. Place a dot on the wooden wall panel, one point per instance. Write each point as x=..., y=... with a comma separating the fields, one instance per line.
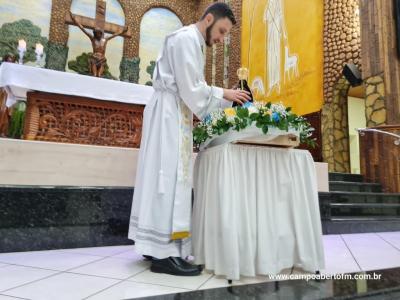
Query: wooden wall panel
x=380, y=158
x=379, y=50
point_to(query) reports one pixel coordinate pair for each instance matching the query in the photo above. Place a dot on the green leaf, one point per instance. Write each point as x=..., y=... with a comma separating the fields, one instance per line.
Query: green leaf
x=242, y=113
x=265, y=129
x=254, y=116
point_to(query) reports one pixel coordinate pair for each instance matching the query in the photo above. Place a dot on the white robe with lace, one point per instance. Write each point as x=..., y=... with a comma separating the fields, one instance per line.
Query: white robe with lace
x=162, y=198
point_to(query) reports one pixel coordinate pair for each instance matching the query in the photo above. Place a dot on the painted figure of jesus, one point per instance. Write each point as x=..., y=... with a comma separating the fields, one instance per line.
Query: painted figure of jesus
x=276, y=30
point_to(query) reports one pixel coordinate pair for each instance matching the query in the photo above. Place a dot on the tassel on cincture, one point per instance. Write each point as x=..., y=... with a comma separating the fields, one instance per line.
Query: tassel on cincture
x=161, y=187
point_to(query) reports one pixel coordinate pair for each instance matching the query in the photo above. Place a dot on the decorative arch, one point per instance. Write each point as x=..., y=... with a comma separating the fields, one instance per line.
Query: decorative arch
x=150, y=41
x=181, y=18
x=186, y=13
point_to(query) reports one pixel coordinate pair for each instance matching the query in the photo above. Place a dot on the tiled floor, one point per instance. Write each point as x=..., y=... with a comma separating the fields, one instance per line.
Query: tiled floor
x=119, y=273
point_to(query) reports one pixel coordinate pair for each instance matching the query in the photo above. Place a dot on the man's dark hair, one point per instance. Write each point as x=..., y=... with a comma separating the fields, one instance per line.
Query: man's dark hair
x=220, y=10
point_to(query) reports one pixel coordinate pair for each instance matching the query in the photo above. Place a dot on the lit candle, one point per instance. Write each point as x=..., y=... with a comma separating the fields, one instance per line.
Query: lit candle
x=21, y=45
x=39, y=49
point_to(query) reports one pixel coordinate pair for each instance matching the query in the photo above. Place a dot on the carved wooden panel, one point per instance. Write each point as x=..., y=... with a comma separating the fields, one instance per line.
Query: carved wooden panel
x=78, y=120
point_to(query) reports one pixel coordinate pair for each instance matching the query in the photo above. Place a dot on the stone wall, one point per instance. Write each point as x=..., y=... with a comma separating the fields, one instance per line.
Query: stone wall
x=57, y=50
x=375, y=109
x=335, y=134
x=342, y=45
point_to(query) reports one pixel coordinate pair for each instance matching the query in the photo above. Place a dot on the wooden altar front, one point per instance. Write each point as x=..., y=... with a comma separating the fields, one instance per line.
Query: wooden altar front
x=80, y=120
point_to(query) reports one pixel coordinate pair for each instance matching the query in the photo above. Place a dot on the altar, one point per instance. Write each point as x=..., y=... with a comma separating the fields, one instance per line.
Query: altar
x=72, y=108
x=256, y=211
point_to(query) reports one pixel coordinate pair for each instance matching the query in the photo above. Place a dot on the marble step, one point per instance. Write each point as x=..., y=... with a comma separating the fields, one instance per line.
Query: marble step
x=347, y=186
x=357, y=197
x=365, y=209
x=334, y=176
x=48, y=217
x=352, y=224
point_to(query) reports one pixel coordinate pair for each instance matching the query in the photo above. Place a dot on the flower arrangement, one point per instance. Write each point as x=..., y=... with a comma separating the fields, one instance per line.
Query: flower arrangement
x=262, y=115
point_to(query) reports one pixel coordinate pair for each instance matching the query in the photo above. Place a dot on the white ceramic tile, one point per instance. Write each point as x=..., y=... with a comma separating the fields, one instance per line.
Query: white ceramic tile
x=118, y=268
x=130, y=254
x=372, y=252
x=100, y=251
x=64, y=286
x=338, y=258
x=13, y=276
x=185, y=282
x=130, y=290
x=53, y=260
x=4, y=297
x=391, y=237
x=3, y=265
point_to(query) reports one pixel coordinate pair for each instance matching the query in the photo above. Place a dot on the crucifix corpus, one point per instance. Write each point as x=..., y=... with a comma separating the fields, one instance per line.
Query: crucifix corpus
x=99, y=26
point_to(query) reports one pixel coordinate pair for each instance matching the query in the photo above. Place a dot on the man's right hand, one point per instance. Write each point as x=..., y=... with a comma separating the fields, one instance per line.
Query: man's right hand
x=237, y=96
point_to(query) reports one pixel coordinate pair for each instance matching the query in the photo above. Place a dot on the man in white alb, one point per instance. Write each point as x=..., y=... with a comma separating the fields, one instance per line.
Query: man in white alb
x=161, y=210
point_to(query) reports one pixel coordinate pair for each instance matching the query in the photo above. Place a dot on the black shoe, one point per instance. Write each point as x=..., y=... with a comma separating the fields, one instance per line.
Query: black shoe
x=174, y=266
x=188, y=264
x=148, y=257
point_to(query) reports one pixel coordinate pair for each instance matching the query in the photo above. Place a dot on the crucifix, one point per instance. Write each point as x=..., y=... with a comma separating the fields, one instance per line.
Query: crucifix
x=99, y=26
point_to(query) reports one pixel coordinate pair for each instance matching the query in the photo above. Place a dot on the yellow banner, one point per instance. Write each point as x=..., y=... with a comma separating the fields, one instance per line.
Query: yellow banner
x=282, y=46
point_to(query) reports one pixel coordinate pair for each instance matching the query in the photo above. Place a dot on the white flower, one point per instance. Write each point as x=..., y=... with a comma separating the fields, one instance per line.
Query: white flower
x=217, y=115
x=279, y=108
x=253, y=110
x=209, y=130
x=259, y=105
x=230, y=119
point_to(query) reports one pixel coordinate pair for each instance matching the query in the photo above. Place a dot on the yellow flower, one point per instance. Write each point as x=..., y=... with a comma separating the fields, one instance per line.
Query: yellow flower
x=267, y=112
x=230, y=112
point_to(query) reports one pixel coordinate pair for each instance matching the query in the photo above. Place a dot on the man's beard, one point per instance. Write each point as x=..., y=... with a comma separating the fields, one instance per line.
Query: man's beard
x=208, y=34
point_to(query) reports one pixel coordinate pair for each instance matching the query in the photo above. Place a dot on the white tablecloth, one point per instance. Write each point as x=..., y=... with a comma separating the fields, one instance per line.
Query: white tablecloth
x=256, y=211
x=19, y=79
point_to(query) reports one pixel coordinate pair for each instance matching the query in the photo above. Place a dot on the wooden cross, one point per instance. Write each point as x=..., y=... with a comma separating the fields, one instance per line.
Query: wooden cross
x=99, y=21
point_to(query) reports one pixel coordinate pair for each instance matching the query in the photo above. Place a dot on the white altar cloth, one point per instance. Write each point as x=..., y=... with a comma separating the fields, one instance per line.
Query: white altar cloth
x=20, y=79
x=256, y=211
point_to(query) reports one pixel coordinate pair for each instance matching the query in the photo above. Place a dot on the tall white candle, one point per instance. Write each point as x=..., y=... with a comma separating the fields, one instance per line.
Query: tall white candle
x=21, y=45
x=39, y=49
